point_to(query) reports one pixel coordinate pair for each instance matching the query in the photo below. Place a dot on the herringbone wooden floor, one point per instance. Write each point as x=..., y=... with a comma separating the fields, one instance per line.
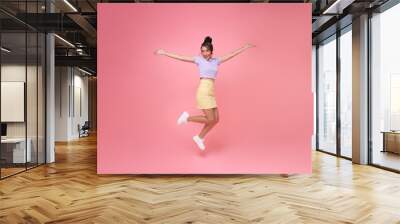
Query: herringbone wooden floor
x=70, y=191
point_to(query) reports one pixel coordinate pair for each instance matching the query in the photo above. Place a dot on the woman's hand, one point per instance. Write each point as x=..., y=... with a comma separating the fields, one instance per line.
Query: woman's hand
x=248, y=45
x=160, y=52
x=234, y=53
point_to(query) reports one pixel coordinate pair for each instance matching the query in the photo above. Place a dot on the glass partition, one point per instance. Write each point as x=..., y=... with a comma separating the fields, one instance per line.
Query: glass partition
x=22, y=101
x=14, y=153
x=32, y=95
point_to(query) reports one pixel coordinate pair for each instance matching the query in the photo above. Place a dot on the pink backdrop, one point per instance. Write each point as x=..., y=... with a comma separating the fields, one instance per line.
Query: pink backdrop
x=264, y=94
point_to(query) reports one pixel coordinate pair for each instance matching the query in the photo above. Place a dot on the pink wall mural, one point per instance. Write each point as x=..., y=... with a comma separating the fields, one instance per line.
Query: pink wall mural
x=264, y=94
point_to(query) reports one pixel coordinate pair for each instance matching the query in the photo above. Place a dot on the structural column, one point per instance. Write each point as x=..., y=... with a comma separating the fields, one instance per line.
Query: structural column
x=360, y=90
x=50, y=92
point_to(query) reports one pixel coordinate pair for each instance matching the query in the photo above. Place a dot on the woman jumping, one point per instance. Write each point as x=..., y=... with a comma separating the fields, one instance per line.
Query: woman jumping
x=208, y=67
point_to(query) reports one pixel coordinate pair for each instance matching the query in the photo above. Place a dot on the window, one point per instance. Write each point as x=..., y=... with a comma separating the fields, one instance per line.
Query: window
x=346, y=92
x=385, y=89
x=327, y=95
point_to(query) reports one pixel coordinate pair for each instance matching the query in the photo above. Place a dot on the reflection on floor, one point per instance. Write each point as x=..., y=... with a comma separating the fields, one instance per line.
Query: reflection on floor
x=386, y=159
x=70, y=191
x=12, y=169
x=346, y=152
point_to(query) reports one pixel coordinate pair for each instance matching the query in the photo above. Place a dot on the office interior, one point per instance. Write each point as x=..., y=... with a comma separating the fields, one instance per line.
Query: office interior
x=334, y=74
x=49, y=92
x=48, y=83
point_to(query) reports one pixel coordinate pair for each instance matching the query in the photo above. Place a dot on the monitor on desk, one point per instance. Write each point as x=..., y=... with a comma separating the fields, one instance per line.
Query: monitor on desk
x=3, y=130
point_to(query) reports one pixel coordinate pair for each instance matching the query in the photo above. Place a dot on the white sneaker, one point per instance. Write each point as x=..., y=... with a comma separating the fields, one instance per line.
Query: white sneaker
x=183, y=118
x=199, y=142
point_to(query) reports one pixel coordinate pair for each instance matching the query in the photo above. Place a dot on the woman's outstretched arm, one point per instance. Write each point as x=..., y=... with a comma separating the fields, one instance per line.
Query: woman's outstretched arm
x=234, y=53
x=174, y=56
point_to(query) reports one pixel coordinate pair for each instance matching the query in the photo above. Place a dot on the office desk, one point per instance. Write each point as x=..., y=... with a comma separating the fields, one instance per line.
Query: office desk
x=13, y=150
x=391, y=141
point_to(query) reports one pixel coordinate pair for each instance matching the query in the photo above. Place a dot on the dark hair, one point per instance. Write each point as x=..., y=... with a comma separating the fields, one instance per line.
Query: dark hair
x=207, y=43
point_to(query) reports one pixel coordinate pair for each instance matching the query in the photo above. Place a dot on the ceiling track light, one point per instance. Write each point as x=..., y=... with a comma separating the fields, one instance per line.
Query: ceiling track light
x=337, y=7
x=64, y=40
x=84, y=71
x=327, y=11
x=70, y=5
x=5, y=50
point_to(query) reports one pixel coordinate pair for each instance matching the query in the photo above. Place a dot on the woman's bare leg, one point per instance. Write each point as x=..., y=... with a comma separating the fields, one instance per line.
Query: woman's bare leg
x=198, y=119
x=202, y=118
x=216, y=114
x=212, y=117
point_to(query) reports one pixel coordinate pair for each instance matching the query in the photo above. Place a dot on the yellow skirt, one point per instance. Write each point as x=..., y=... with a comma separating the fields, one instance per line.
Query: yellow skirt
x=205, y=94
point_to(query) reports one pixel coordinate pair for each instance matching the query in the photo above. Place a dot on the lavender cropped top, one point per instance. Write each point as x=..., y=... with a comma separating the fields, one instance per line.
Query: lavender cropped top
x=207, y=68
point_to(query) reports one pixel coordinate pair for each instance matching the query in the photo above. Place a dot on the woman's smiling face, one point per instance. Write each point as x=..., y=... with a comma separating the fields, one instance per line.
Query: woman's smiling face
x=205, y=52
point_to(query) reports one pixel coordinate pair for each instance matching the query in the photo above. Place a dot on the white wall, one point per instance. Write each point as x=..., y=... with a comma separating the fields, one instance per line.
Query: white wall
x=61, y=103
x=81, y=85
x=71, y=93
x=15, y=72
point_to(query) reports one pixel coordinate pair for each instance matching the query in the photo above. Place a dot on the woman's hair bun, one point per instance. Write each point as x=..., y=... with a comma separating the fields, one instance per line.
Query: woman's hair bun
x=208, y=39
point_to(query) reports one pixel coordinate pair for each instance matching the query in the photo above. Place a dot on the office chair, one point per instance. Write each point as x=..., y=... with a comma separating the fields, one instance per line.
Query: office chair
x=84, y=130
